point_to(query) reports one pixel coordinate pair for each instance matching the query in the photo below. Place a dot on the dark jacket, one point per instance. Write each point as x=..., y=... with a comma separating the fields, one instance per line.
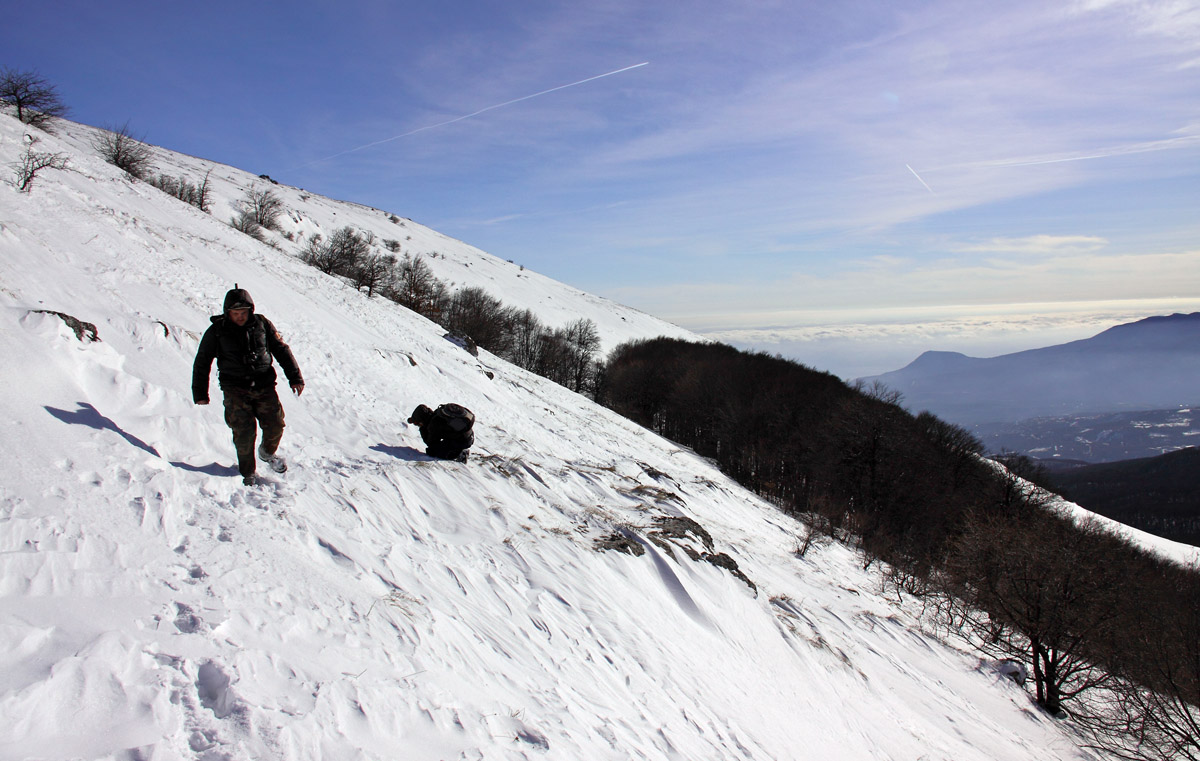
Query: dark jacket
x=243, y=356
x=441, y=440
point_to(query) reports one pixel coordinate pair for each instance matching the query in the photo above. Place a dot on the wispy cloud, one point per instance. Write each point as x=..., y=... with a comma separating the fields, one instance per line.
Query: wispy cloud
x=881, y=285
x=750, y=117
x=1052, y=245
x=946, y=96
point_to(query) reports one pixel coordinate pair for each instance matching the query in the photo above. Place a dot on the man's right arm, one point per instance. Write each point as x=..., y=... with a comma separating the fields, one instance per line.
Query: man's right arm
x=202, y=367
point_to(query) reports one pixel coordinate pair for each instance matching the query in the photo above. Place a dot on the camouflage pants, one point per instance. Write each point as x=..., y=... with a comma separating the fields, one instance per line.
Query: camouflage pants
x=246, y=410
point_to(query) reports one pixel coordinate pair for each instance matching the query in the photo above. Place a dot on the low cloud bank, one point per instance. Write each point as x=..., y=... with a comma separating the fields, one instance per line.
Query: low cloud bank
x=889, y=340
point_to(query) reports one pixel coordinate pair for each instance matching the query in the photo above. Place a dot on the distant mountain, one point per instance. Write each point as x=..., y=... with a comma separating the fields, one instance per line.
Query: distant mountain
x=1160, y=495
x=1149, y=364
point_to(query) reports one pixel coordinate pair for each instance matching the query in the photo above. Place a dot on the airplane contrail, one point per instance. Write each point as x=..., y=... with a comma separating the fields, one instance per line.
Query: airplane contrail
x=1185, y=141
x=477, y=113
x=914, y=171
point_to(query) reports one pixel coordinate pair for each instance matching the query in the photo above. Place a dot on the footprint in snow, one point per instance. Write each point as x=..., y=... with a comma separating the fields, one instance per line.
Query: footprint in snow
x=213, y=687
x=186, y=620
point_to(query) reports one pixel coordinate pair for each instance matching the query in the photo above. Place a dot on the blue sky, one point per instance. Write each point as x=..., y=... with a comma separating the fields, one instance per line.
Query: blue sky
x=848, y=183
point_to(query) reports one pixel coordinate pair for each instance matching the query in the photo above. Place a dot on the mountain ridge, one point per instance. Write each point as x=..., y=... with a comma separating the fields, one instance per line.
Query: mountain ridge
x=1146, y=364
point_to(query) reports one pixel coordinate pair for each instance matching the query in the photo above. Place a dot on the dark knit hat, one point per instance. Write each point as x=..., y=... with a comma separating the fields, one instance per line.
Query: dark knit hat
x=421, y=415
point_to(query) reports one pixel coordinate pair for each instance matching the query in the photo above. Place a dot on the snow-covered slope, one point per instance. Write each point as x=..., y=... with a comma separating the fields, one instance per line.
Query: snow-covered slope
x=455, y=263
x=375, y=604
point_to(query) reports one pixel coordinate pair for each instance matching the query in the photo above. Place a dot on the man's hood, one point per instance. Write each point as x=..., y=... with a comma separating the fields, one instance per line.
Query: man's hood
x=238, y=298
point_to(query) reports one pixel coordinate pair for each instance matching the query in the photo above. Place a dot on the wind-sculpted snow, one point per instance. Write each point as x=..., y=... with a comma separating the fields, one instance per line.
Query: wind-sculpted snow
x=373, y=603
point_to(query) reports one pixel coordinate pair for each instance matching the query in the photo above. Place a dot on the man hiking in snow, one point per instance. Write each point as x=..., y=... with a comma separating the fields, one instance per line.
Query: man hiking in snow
x=243, y=344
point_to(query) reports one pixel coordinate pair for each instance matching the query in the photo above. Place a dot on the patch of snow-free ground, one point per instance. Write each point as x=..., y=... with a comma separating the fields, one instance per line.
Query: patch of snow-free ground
x=372, y=603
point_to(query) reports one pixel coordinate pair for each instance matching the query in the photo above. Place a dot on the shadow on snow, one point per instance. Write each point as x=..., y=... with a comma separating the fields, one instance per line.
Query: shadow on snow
x=91, y=417
x=402, y=453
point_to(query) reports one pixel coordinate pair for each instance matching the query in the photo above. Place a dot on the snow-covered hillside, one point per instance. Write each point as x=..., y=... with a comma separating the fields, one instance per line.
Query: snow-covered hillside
x=455, y=263
x=373, y=603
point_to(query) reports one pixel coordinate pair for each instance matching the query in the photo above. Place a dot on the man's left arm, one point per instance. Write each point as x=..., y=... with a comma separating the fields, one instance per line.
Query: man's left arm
x=283, y=355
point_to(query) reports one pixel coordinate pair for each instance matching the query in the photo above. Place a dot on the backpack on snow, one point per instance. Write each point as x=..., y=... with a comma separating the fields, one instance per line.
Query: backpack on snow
x=455, y=417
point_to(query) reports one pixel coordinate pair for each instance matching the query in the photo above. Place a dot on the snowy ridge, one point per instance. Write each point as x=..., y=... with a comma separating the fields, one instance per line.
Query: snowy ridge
x=454, y=262
x=375, y=604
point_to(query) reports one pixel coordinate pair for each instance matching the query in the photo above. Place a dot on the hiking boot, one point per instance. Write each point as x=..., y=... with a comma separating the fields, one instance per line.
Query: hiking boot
x=249, y=480
x=277, y=463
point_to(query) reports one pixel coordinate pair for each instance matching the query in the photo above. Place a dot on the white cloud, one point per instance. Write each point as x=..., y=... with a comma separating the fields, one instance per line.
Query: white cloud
x=882, y=286
x=1016, y=85
x=1177, y=19
x=889, y=339
x=1036, y=244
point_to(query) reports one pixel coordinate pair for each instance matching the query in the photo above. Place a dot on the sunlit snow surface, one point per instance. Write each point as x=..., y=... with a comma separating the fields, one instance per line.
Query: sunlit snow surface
x=372, y=603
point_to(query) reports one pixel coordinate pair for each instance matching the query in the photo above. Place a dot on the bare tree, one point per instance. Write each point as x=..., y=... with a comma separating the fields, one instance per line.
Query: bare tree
x=1153, y=712
x=345, y=251
x=1035, y=587
x=480, y=316
x=527, y=331
x=263, y=206
x=418, y=289
x=879, y=390
x=201, y=198
x=33, y=162
x=36, y=100
x=554, y=357
x=584, y=341
x=375, y=272
x=120, y=148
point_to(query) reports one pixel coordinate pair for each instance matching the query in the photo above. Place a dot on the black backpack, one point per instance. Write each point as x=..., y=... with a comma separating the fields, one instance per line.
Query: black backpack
x=455, y=417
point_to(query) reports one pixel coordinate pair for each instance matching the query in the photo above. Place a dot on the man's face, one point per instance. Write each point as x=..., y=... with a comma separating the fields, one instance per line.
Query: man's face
x=239, y=316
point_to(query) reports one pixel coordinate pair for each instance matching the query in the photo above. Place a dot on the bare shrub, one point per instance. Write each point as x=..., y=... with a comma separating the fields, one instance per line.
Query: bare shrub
x=817, y=532
x=33, y=162
x=185, y=190
x=120, y=148
x=340, y=255
x=244, y=222
x=264, y=206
